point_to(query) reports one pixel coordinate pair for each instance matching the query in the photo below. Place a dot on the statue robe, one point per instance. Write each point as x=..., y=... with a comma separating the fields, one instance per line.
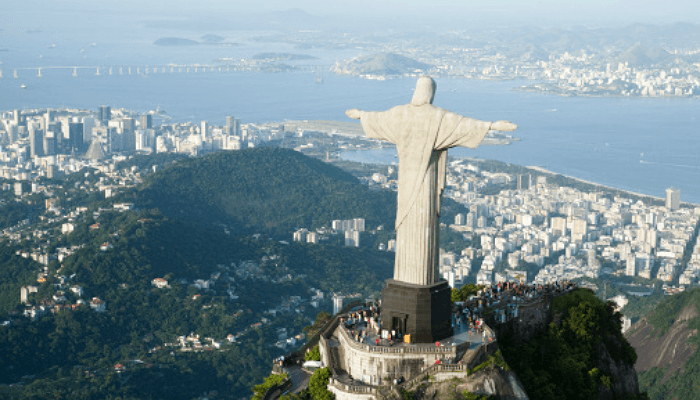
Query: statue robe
x=422, y=134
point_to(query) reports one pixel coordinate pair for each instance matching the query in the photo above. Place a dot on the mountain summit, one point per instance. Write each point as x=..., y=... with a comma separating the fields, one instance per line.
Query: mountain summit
x=264, y=190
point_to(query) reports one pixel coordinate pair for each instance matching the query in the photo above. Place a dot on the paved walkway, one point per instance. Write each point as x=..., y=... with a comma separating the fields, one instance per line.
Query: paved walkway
x=463, y=334
x=299, y=378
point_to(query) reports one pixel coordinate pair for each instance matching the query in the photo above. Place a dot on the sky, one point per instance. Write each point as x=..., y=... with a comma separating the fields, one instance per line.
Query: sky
x=553, y=10
x=482, y=13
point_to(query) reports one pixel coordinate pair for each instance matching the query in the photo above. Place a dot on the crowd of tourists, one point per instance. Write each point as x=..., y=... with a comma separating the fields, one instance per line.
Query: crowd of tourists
x=504, y=298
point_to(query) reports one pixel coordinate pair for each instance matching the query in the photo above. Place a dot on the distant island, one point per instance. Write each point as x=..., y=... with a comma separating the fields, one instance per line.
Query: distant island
x=381, y=65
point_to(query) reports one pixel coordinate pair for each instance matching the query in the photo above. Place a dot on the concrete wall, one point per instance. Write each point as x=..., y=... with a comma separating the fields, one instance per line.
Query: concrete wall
x=371, y=364
x=344, y=392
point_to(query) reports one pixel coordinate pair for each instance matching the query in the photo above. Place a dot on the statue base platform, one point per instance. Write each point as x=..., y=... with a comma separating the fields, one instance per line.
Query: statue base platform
x=422, y=311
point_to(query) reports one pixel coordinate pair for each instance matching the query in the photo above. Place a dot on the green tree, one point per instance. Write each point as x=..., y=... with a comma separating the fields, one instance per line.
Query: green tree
x=270, y=381
x=463, y=293
x=313, y=354
x=318, y=385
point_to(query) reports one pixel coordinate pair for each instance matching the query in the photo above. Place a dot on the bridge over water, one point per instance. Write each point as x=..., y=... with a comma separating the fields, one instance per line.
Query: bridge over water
x=143, y=70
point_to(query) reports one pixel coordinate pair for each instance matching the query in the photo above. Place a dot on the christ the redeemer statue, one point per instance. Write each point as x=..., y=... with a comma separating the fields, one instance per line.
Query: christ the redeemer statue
x=422, y=134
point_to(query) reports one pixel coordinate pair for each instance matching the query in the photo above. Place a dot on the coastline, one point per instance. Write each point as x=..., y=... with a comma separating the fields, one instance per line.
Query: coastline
x=351, y=129
x=542, y=170
x=636, y=194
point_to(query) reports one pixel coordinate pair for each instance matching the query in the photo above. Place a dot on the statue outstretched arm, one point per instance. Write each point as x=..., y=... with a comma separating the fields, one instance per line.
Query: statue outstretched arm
x=354, y=113
x=457, y=130
x=503, y=126
x=376, y=124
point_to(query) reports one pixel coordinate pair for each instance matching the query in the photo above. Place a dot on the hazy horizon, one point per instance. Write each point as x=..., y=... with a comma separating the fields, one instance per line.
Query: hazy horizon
x=447, y=14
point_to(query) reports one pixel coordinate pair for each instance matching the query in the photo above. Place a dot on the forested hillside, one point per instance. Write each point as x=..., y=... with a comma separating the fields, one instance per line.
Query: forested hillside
x=226, y=302
x=265, y=189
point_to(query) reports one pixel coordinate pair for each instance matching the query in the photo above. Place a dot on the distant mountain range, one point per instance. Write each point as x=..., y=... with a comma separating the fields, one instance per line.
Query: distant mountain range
x=641, y=55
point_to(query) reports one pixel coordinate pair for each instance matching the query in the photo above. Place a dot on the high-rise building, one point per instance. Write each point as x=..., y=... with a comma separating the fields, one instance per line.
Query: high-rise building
x=36, y=142
x=114, y=140
x=337, y=304
x=49, y=116
x=358, y=224
x=673, y=198
x=146, y=121
x=352, y=238
x=233, y=126
x=75, y=137
x=128, y=124
x=579, y=229
x=12, y=132
x=312, y=237
x=558, y=225
x=145, y=139
x=524, y=181
x=203, y=130
x=50, y=143
x=105, y=114
x=88, y=124
x=58, y=133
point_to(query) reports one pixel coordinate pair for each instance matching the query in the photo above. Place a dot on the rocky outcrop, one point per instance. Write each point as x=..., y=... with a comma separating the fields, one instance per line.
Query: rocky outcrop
x=624, y=376
x=555, y=334
x=490, y=381
x=671, y=350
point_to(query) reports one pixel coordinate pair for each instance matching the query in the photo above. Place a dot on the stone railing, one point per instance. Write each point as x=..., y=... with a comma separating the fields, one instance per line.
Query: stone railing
x=352, y=388
x=435, y=369
x=481, y=351
x=410, y=349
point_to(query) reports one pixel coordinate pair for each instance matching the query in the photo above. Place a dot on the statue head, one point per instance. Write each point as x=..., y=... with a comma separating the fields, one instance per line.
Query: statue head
x=425, y=91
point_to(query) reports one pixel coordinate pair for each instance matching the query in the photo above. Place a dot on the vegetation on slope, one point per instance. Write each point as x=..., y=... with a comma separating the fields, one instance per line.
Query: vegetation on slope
x=564, y=361
x=667, y=311
x=74, y=352
x=265, y=189
x=675, y=378
x=15, y=271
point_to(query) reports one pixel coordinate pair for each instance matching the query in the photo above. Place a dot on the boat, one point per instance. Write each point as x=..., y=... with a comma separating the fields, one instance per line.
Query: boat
x=23, y=86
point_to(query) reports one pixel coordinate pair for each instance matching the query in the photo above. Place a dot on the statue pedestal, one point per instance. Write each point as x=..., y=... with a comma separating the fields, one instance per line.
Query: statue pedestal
x=423, y=311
